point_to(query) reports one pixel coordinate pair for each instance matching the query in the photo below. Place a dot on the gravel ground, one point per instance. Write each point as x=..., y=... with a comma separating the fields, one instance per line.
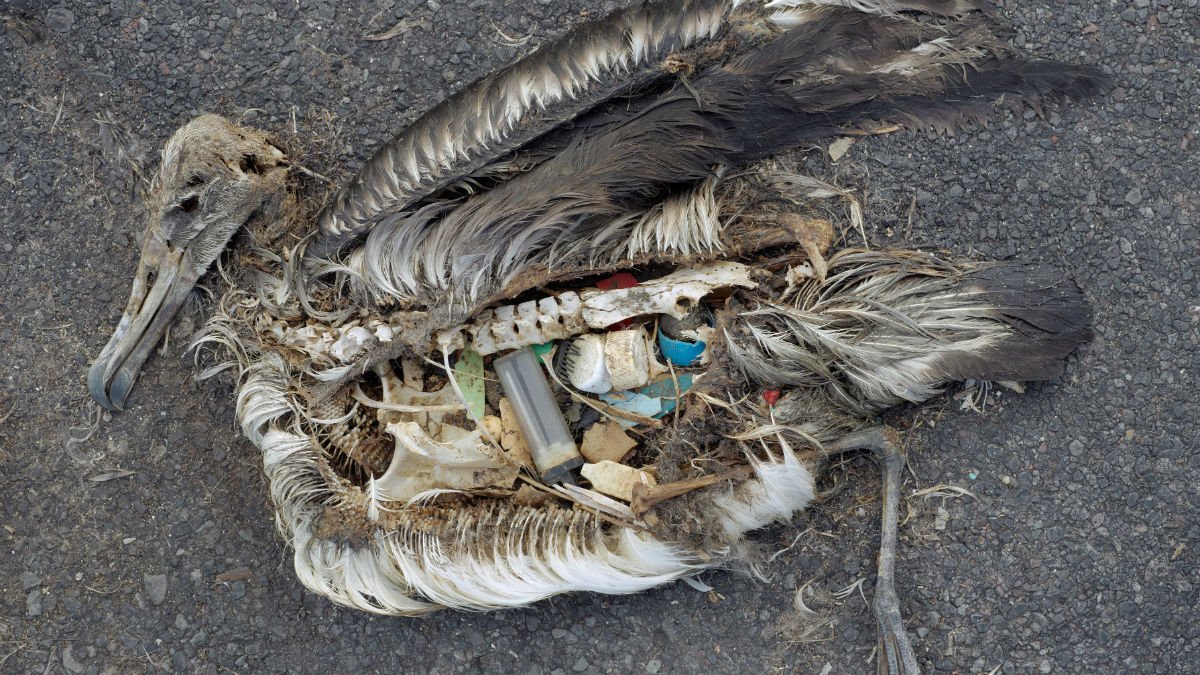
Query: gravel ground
x=148, y=544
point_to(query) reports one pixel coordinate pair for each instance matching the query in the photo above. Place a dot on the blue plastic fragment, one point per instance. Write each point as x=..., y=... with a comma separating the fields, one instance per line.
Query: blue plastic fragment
x=634, y=402
x=653, y=400
x=680, y=352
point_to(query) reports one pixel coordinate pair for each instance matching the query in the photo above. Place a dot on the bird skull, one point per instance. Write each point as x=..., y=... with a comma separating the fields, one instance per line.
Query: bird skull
x=215, y=176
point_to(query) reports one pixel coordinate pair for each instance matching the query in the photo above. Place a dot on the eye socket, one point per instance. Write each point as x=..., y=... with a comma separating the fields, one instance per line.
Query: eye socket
x=190, y=204
x=250, y=164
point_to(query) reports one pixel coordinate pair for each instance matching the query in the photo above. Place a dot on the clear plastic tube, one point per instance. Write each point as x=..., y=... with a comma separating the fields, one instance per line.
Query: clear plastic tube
x=546, y=434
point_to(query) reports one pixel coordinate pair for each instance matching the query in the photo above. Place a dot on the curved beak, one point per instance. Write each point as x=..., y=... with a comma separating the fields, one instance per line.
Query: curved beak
x=164, y=279
x=215, y=177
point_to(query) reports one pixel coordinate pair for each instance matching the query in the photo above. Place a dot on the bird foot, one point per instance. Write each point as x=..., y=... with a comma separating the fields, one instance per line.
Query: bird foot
x=896, y=656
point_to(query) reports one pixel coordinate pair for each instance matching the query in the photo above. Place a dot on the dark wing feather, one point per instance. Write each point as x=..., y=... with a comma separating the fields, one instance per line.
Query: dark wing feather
x=840, y=69
x=892, y=326
x=1047, y=313
x=514, y=105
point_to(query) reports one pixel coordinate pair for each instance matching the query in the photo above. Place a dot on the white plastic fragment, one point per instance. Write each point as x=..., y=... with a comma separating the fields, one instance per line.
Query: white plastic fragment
x=615, y=480
x=627, y=355
x=586, y=365
x=594, y=500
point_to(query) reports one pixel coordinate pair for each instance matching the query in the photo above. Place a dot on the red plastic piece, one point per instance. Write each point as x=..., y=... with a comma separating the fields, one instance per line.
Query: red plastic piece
x=618, y=280
x=771, y=396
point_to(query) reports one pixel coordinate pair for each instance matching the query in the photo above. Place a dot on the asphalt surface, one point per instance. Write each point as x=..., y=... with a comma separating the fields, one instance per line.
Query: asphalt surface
x=1078, y=553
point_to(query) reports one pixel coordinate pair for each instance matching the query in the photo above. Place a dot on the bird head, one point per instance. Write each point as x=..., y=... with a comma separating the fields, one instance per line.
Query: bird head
x=214, y=178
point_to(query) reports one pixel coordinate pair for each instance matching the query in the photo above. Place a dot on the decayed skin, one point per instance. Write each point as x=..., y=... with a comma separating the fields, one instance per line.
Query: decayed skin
x=215, y=176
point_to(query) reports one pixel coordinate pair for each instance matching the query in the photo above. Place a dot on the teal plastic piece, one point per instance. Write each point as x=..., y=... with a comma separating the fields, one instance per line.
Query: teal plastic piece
x=632, y=401
x=664, y=389
x=542, y=351
x=653, y=400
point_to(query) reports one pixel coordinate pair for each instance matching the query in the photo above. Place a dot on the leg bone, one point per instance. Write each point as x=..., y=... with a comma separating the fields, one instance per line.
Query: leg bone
x=896, y=655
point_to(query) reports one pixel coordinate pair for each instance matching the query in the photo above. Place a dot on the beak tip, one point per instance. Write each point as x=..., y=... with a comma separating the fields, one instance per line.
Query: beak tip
x=98, y=388
x=118, y=391
x=96, y=385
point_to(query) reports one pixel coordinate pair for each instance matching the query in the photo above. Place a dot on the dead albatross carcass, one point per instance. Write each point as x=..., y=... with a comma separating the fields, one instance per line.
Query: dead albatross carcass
x=570, y=330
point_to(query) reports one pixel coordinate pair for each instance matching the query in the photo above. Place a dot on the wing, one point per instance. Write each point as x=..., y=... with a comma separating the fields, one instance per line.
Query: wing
x=628, y=50
x=598, y=191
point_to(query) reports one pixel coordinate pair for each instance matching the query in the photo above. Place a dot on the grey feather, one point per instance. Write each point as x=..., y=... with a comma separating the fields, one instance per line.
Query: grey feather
x=893, y=327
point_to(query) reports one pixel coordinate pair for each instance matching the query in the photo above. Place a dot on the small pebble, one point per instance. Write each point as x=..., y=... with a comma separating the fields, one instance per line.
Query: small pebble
x=70, y=663
x=60, y=19
x=33, y=603
x=156, y=587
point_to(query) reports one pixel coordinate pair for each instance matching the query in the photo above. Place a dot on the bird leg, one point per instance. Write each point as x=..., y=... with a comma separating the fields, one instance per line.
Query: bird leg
x=896, y=655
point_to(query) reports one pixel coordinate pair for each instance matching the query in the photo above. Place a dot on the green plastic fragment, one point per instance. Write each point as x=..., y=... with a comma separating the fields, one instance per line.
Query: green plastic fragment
x=543, y=350
x=468, y=371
